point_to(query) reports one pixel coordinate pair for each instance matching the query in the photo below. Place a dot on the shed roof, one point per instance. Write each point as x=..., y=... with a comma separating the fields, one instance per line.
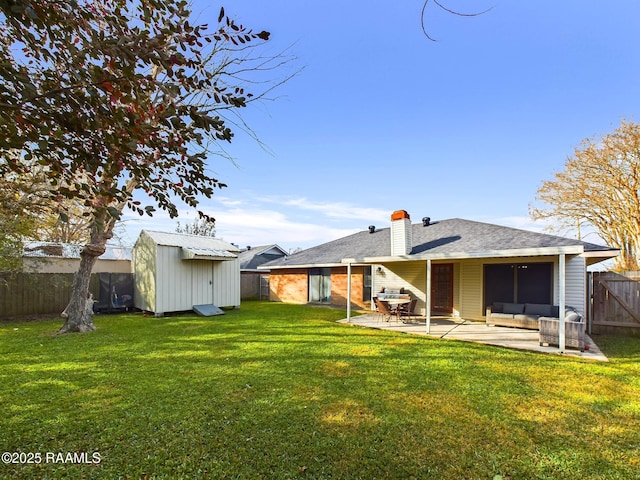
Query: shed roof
x=190, y=241
x=442, y=239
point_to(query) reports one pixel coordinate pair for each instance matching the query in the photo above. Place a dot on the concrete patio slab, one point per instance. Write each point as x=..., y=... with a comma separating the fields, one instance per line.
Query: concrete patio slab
x=478, y=332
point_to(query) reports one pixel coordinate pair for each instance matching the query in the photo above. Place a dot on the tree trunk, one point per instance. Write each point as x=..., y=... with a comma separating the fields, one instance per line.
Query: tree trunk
x=79, y=312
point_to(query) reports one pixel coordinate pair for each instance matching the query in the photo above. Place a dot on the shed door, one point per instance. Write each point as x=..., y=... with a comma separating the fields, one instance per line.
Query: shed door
x=201, y=282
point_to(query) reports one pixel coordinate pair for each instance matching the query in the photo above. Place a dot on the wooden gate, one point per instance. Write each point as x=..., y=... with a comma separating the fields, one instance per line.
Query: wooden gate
x=616, y=303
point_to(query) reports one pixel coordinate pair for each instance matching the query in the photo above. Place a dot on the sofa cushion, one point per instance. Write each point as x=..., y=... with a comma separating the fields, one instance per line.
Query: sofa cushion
x=497, y=307
x=539, y=309
x=515, y=308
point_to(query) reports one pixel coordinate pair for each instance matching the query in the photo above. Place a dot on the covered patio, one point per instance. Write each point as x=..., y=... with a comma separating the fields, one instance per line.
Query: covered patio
x=454, y=328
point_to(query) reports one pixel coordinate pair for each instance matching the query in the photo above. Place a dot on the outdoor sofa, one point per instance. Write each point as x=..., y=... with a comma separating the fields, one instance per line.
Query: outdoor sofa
x=540, y=317
x=521, y=315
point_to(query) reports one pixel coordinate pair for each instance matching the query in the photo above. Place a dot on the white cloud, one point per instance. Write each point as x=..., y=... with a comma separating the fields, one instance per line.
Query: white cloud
x=340, y=210
x=263, y=226
x=259, y=220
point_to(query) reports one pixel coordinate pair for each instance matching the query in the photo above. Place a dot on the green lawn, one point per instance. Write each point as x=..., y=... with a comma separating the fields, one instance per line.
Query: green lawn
x=279, y=391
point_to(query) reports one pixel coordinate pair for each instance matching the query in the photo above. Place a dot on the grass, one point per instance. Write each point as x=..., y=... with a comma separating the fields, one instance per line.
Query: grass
x=280, y=391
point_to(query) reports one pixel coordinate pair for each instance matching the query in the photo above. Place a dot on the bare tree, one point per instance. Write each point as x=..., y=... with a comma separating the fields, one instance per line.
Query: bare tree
x=600, y=187
x=201, y=226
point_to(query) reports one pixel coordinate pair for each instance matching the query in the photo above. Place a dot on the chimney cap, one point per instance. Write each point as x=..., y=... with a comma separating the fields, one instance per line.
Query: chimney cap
x=400, y=215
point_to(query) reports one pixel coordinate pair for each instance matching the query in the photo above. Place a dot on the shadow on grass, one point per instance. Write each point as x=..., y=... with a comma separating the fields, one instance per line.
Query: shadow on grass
x=282, y=391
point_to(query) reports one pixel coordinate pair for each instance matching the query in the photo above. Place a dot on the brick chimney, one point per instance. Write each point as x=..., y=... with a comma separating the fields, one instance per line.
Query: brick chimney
x=400, y=233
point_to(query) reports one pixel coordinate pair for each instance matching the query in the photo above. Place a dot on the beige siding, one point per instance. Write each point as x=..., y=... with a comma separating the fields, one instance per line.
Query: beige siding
x=471, y=290
x=457, y=288
x=71, y=265
x=412, y=276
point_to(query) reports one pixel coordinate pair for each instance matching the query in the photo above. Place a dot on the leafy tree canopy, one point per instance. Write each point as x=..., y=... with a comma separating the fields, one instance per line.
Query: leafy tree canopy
x=110, y=96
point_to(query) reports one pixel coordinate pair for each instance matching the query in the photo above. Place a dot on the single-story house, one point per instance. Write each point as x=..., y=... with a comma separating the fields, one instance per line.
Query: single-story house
x=254, y=283
x=457, y=267
x=55, y=257
x=174, y=272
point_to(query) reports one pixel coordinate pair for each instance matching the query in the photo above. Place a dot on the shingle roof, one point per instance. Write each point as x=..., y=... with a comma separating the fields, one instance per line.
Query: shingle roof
x=453, y=236
x=253, y=257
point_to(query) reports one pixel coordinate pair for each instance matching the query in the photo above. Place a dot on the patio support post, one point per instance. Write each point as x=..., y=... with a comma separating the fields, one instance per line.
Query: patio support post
x=349, y=292
x=427, y=298
x=561, y=307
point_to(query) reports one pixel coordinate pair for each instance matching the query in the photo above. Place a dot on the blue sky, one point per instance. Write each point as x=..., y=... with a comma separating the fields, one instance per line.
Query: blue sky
x=380, y=118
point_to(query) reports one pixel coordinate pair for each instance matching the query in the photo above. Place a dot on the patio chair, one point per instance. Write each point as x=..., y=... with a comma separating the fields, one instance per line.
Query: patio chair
x=377, y=308
x=407, y=310
x=386, y=310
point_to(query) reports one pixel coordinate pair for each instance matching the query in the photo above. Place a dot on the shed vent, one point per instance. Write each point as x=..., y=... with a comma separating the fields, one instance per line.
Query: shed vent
x=426, y=221
x=372, y=228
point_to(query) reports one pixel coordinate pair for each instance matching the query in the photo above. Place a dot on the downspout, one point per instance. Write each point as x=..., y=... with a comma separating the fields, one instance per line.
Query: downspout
x=349, y=292
x=561, y=302
x=427, y=298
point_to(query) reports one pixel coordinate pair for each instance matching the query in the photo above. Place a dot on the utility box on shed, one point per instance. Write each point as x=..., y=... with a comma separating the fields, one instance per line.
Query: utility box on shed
x=173, y=272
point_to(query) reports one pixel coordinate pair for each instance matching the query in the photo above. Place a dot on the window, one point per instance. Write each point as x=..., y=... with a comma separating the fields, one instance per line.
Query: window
x=320, y=285
x=366, y=283
x=518, y=283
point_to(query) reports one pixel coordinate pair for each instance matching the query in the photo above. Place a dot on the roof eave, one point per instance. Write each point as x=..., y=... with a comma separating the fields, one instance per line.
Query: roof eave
x=520, y=252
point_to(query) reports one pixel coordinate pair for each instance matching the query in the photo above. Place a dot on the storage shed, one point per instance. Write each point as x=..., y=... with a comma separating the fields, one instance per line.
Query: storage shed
x=173, y=272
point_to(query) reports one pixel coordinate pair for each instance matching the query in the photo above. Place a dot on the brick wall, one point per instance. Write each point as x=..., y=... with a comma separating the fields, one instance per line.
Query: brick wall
x=289, y=285
x=339, y=286
x=293, y=286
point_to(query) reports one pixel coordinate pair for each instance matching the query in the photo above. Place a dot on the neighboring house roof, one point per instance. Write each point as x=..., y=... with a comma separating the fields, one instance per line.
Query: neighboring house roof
x=210, y=245
x=453, y=238
x=72, y=251
x=253, y=257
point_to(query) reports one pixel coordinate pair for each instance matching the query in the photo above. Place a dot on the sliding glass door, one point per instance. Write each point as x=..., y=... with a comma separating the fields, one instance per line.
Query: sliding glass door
x=518, y=283
x=320, y=285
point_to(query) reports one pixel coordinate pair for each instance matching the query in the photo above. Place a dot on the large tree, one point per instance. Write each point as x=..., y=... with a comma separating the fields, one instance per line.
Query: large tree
x=600, y=188
x=116, y=96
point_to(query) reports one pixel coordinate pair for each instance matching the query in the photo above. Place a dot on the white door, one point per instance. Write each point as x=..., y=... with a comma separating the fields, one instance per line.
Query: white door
x=201, y=282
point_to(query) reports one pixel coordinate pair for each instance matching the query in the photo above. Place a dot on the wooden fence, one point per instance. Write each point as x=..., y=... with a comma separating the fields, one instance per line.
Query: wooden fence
x=37, y=293
x=616, y=303
x=254, y=286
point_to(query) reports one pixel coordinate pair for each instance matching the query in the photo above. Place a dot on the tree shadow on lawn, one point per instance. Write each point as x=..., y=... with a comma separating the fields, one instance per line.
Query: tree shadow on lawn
x=323, y=398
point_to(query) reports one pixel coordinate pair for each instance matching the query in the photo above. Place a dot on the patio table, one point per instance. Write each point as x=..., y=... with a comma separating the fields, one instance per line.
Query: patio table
x=397, y=301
